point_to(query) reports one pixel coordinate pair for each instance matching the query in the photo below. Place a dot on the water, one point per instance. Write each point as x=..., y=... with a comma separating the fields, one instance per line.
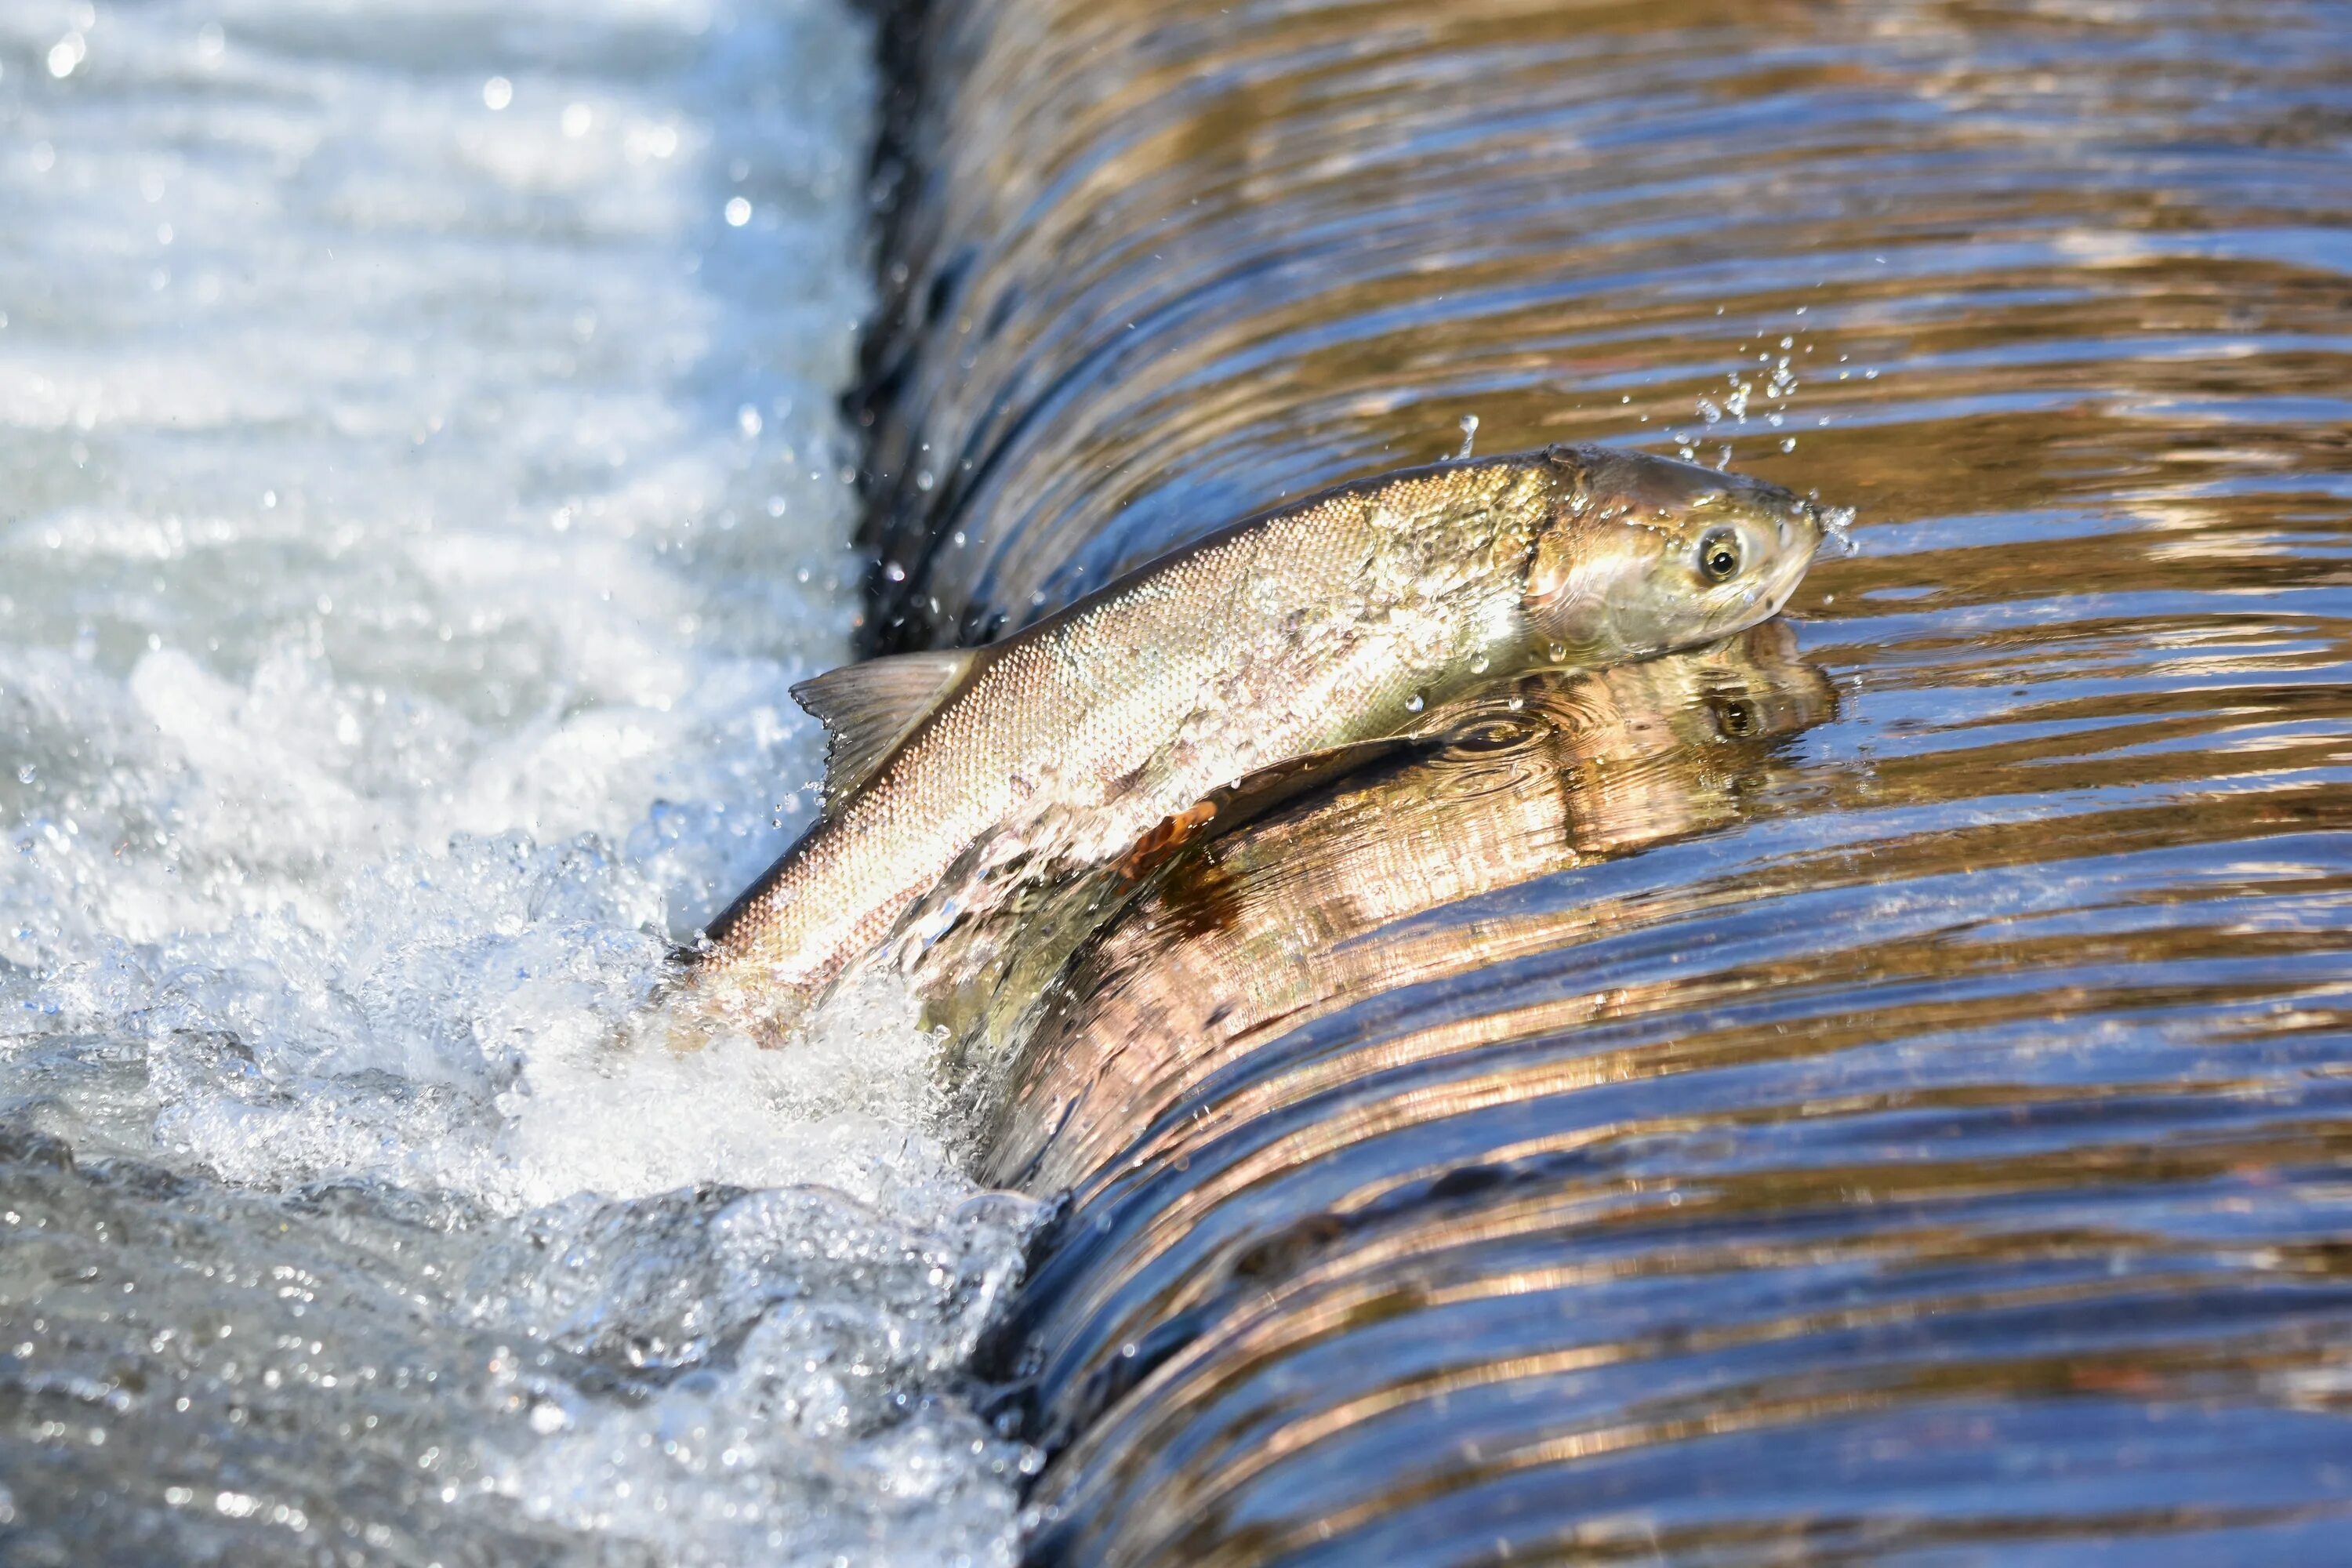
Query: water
x=1902, y=1122
x=420, y=481
x=1869, y=1092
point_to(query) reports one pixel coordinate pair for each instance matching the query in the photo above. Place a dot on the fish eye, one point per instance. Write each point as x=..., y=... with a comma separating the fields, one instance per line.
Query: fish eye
x=1718, y=554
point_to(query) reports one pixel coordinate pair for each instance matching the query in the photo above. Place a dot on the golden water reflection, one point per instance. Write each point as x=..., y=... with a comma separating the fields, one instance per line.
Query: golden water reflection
x=1915, y=1132
x=1302, y=915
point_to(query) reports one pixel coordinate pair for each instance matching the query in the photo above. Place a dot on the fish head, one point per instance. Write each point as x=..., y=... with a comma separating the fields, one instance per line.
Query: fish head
x=1641, y=555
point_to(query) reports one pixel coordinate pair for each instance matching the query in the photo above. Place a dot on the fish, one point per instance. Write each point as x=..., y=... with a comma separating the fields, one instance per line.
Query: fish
x=1305, y=634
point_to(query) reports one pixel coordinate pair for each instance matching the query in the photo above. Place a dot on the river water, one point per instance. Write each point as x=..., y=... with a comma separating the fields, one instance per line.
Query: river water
x=1871, y=1091
x=1877, y=1094
x=420, y=479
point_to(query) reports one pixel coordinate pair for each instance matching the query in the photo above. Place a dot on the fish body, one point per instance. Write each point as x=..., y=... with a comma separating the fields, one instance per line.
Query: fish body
x=1332, y=621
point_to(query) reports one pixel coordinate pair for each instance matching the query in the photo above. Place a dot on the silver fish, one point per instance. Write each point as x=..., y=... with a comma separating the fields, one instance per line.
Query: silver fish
x=1324, y=625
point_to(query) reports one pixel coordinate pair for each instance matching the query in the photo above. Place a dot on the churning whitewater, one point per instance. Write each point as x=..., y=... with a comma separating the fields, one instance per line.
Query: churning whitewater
x=420, y=485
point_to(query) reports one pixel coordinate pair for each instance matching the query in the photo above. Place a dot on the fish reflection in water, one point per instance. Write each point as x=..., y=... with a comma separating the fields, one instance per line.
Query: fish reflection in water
x=1603, y=1260
x=1313, y=908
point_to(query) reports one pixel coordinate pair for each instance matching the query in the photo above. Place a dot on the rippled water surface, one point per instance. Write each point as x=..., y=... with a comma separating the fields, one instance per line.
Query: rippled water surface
x=420, y=479
x=1877, y=1094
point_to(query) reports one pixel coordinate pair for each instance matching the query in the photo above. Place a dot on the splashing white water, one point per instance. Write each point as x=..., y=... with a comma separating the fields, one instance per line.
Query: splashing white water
x=419, y=485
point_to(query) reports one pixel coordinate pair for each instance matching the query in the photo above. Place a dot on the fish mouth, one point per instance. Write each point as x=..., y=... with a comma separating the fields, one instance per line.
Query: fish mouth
x=1826, y=524
x=1823, y=528
x=1792, y=572
x=1802, y=530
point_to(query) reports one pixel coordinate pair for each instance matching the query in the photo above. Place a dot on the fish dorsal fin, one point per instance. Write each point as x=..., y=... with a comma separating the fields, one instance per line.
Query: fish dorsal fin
x=867, y=708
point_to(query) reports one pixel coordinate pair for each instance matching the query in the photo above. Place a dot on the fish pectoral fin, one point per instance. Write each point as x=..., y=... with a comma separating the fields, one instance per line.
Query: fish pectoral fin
x=1151, y=851
x=1253, y=795
x=867, y=708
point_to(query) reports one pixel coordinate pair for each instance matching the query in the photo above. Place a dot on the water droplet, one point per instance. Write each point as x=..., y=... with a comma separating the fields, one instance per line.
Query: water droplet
x=67, y=54
x=747, y=420
x=739, y=212
x=497, y=93
x=577, y=118
x=1478, y=663
x=1414, y=704
x=1558, y=651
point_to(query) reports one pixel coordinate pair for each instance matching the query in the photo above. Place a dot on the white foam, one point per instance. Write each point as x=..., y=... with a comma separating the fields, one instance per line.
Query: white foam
x=413, y=512
x=377, y=471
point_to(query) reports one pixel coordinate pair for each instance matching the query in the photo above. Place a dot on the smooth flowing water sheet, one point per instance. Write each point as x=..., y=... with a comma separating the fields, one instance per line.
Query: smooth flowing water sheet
x=1879, y=1098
